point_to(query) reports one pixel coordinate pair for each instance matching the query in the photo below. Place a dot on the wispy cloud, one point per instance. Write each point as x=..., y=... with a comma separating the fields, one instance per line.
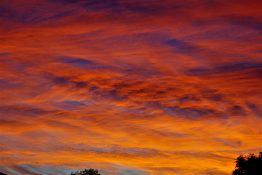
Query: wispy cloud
x=121, y=85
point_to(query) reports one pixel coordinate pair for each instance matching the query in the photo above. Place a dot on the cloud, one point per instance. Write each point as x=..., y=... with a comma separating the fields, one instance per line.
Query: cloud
x=226, y=68
x=182, y=47
x=22, y=110
x=35, y=170
x=189, y=112
x=254, y=108
x=121, y=85
x=244, y=21
x=80, y=62
x=5, y=84
x=70, y=105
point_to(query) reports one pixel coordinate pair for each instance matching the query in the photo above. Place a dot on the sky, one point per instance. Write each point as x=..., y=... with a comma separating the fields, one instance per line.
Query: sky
x=130, y=87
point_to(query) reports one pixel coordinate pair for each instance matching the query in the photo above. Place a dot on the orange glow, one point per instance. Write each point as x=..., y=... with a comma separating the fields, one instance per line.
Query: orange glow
x=129, y=87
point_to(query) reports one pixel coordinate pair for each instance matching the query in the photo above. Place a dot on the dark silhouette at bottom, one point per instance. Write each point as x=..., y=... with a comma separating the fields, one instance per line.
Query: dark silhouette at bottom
x=86, y=172
x=245, y=165
x=248, y=165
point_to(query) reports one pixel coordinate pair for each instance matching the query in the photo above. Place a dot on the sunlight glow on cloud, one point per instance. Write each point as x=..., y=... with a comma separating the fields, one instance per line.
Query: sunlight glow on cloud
x=129, y=87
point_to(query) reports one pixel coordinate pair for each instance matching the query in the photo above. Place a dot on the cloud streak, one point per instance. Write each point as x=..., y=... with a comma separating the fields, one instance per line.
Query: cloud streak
x=120, y=85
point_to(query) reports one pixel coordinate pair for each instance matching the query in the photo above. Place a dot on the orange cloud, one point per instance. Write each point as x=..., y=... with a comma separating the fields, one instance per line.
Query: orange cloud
x=129, y=87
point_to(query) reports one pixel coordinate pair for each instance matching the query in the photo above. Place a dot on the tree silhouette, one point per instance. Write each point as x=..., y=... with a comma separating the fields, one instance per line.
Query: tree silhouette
x=86, y=172
x=248, y=165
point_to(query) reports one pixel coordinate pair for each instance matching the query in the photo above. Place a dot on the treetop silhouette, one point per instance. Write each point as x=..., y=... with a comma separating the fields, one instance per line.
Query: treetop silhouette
x=86, y=172
x=248, y=165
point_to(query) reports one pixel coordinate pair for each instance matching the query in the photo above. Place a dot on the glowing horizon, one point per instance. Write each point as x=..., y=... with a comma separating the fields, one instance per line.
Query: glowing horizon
x=129, y=87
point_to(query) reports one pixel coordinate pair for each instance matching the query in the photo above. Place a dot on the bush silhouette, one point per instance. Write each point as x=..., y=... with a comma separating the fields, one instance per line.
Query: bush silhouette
x=86, y=172
x=248, y=165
